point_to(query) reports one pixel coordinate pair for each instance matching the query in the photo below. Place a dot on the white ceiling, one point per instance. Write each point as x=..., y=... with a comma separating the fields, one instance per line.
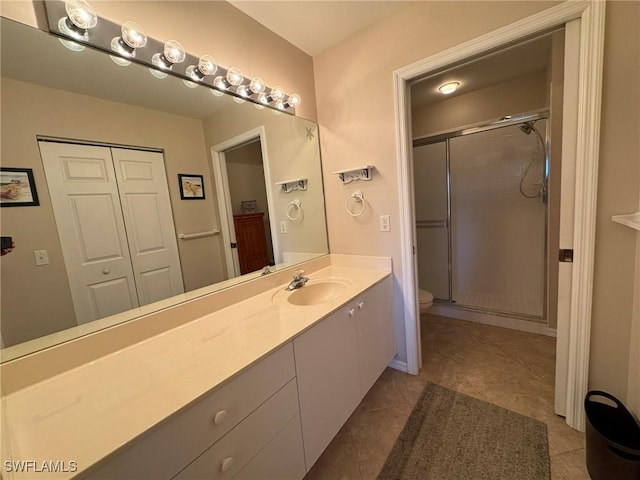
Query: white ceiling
x=314, y=26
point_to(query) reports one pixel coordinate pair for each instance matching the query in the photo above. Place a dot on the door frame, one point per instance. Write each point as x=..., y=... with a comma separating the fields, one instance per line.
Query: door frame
x=224, y=198
x=587, y=122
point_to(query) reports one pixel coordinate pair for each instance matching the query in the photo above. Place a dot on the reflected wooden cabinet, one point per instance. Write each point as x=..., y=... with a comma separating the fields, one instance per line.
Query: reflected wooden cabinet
x=251, y=242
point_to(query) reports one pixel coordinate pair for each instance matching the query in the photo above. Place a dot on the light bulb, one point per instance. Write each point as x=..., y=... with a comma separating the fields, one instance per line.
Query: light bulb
x=263, y=99
x=80, y=17
x=133, y=35
x=293, y=100
x=207, y=65
x=234, y=76
x=280, y=105
x=256, y=85
x=174, y=52
x=243, y=91
x=81, y=14
x=220, y=83
x=277, y=94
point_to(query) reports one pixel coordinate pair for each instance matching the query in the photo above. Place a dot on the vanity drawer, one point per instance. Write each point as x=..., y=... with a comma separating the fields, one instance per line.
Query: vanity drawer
x=227, y=457
x=163, y=451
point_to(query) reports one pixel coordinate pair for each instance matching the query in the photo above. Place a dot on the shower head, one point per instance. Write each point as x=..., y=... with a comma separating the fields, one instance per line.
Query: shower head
x=527, y=127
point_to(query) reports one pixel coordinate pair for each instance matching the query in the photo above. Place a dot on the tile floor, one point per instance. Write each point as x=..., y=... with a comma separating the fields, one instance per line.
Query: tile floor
x=512, y=369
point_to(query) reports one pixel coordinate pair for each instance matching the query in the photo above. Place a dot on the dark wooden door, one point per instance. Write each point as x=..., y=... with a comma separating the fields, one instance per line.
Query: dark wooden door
x=252, y=242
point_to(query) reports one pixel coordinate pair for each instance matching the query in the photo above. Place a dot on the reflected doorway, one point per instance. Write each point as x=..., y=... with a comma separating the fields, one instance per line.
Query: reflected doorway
x=243, y=186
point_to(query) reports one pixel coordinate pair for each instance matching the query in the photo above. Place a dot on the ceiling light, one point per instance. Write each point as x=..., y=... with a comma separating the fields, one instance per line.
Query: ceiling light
x=448, y=88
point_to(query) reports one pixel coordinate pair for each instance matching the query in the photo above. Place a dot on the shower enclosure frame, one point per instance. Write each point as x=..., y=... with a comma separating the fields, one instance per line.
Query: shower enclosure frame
x=507, y=121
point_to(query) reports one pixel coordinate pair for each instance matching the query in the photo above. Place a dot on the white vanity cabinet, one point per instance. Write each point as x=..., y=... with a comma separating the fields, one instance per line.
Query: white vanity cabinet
x=241, y=416
x=337, y=362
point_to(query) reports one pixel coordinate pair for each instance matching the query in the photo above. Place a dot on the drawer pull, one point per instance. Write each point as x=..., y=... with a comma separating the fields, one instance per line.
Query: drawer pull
x=360, y=305
x=226, y=464
x=351, y=312
x=220, y=417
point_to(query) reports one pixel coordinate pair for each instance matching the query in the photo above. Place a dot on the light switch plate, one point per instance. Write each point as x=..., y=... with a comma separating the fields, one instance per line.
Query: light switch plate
x=283, y=227
x=385, y=223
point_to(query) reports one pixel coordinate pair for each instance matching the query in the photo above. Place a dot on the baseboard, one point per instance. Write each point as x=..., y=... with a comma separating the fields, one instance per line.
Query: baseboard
x=494, y=320
x=399, y=365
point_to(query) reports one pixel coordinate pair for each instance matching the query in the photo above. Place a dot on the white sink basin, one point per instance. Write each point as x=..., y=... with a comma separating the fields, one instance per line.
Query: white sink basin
x=314, y=292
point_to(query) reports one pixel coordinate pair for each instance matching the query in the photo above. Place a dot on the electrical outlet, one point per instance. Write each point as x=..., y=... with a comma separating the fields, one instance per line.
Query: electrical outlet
x=283, y=227
x=41, y=256
x=385, y=223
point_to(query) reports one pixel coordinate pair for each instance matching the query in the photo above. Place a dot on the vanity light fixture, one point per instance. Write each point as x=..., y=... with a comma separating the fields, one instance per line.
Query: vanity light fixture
x=72, y=20
x=448, y=88
x=80, y=18
x=132, y=37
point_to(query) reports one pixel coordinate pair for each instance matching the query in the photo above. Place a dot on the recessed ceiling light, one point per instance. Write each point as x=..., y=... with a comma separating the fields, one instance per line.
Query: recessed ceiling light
x=448, y=88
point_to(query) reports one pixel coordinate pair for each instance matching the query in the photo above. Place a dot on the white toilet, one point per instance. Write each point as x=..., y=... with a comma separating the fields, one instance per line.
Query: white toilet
x=426, y=300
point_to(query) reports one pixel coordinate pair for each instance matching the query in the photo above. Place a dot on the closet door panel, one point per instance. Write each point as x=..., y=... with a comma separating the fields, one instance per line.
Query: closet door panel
x=148, y=217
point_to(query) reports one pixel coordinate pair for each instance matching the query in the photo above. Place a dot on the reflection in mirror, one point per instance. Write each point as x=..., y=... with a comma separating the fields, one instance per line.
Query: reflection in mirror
x=118, y=233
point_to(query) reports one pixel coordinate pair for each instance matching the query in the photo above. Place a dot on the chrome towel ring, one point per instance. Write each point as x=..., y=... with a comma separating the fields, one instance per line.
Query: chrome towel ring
x=294, y=210
x=357, y=196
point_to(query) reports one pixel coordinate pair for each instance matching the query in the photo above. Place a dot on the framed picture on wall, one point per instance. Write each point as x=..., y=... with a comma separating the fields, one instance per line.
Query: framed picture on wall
x=17, y=188
x=191, y=186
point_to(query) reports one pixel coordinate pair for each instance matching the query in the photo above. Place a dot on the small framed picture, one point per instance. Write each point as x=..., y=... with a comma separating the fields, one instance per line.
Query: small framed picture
x=191, y=186
x=248, y=206
x=17, y=187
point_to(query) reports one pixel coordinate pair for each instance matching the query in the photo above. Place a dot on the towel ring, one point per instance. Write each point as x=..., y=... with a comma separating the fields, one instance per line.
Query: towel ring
x=293, y=207
x=357, y=196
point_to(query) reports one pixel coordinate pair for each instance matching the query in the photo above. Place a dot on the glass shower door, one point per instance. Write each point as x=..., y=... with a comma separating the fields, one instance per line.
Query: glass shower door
x=431, y=203
x=498, y=221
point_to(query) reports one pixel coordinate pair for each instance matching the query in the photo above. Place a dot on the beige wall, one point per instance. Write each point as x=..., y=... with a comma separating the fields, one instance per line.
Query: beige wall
x=214, y=27
x=29, y=110
x=618, y=190
x=356, y=115
x=518, y=95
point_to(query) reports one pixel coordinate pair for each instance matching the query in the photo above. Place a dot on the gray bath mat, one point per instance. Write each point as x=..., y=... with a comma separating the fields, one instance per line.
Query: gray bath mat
x=450, y=436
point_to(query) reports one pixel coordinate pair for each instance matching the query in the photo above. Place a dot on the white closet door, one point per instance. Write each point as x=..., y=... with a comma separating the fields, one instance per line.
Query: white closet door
x=144, y=195
x=85, y=200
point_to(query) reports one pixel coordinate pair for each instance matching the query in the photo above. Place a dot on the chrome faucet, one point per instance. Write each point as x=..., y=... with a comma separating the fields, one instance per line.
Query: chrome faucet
x=298, y=281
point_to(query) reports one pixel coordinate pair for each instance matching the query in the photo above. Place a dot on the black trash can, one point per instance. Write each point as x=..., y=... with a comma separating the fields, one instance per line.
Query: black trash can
x=613, y=439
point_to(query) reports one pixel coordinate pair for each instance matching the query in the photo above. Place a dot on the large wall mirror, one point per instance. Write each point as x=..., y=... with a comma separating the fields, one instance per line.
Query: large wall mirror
x=151, y=191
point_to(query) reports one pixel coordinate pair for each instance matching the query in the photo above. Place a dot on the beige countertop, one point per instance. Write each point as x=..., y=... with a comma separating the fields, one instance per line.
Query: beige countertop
x=86, y=413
